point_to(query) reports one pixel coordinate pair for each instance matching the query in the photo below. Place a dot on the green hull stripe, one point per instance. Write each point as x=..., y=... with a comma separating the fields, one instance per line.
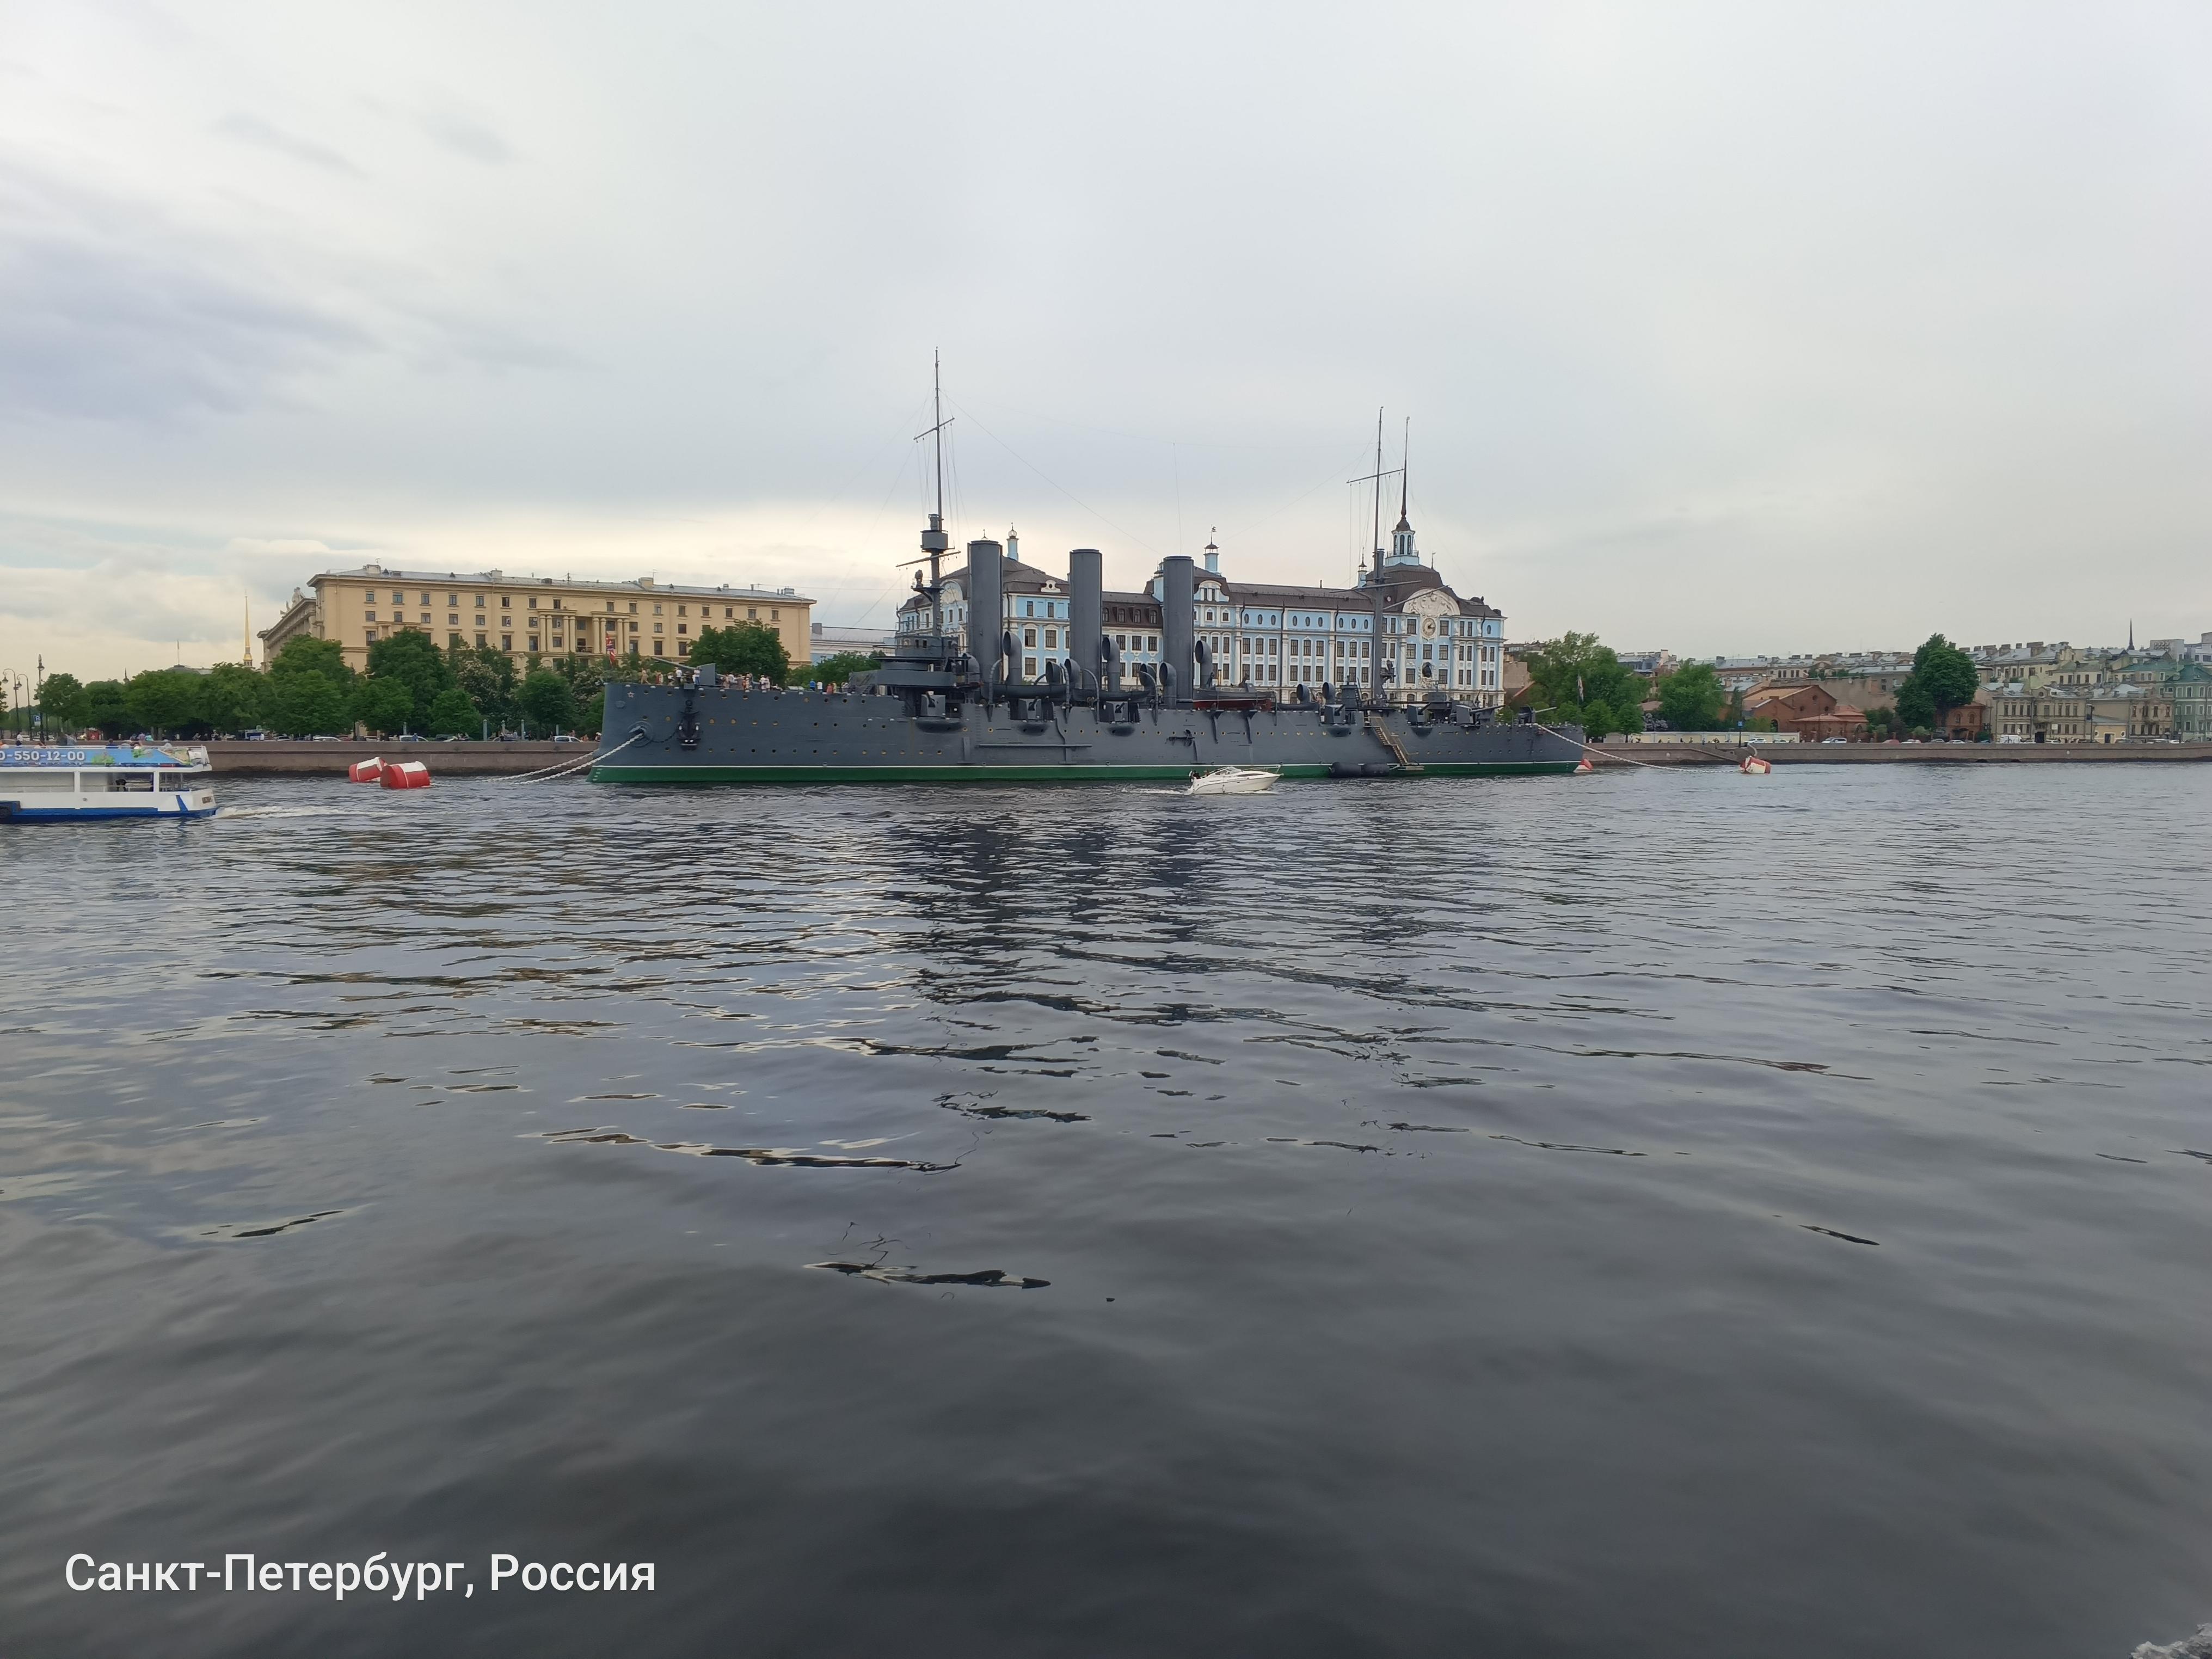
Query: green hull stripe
x=697, y=775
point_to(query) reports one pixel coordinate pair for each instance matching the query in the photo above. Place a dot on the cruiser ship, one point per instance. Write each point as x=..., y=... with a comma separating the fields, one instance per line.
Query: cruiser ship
x=1394, y=677
x=52, y=784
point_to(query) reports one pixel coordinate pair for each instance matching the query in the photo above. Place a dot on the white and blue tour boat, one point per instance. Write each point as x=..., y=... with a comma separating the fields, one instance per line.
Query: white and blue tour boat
x=46, y=782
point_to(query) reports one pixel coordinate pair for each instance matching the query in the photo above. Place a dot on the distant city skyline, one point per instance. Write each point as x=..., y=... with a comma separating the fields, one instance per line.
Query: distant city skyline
x=1721, y=328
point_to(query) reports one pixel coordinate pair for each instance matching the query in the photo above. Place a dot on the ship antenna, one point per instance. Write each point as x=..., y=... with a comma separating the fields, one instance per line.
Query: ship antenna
x=1375, y=581
x=1378, y=494
x=933, y=541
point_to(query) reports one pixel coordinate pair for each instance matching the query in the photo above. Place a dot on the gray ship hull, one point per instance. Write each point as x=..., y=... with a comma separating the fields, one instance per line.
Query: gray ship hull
x=728, y=734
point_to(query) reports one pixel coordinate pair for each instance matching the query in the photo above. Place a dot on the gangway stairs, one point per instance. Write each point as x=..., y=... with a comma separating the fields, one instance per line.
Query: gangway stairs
x=1405, y=761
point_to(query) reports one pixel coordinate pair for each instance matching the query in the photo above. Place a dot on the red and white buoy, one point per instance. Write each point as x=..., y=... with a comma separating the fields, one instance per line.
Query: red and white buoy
x=1585, y=766
x=406, y=774
x=368, y=771
x=1755, y=766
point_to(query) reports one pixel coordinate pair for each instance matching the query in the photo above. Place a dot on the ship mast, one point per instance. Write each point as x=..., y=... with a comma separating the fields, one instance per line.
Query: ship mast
x=933, y=539
x=1375, y=577
x=1378, y=496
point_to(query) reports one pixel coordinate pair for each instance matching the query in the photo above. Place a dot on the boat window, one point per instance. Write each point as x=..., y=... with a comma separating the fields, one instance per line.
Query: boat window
x=120, y=783
x=28, y=779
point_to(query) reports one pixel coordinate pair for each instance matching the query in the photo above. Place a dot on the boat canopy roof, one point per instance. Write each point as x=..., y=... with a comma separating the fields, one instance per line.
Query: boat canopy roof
x=100, y=754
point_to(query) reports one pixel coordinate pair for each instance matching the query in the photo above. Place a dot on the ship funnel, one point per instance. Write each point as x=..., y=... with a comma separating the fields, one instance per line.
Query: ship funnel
x=983, y=590
x=1177, y=617
x=1083, y=610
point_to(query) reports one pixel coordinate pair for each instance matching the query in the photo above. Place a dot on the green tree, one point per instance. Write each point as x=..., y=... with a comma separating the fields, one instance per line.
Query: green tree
x=165, y=702
x=746, y=648
x=453, y=715
x=546, y=702
x=1916, y=704
x=1576, y=681
x=487, y=675
x=385, y=707
x=309, y=687
x=234, y=696
x=409, y=658
x=105, y=709
x=1943, y=678
x=303, y=653
x=836, y=671
x=62, y=700
x=587, y=683
x=1692, y=698
x=308, y=705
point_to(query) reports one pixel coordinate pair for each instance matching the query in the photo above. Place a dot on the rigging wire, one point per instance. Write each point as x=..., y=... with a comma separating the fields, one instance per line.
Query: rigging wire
x=1054, y=482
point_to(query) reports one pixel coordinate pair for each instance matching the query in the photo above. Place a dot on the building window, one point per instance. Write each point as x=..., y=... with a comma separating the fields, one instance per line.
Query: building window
x=480, y=601
x=453, y=640
x=752, y=613
x=533, y=641
x=368, y=616
x=633, y=607
x=480, y=641
x=682, y=611
x=507, y=641
x=774, y=615
x=1029, y=668
x=683, y=627
x=372, y=633
x=505, y=603
x=1028, y=638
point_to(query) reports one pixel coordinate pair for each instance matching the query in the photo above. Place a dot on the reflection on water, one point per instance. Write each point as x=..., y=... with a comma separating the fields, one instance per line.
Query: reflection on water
x=1569, y=1216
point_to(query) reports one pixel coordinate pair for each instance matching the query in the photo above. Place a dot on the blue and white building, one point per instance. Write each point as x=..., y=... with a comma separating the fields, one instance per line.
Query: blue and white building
x=1270, y=636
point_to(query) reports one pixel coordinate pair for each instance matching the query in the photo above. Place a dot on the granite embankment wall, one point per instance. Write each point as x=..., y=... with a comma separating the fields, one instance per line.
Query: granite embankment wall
x=1884, y=754
x=276, y=756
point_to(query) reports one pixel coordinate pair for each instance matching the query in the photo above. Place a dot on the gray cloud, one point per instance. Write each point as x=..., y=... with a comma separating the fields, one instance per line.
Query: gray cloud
x=249, y=128
x=108, y=311
x=466, y=137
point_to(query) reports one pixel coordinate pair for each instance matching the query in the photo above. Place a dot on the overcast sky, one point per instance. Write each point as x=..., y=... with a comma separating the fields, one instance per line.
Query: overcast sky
x=1723, y=328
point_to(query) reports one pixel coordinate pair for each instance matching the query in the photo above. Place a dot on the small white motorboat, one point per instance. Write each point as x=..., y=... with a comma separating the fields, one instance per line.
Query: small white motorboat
x=1235, y=780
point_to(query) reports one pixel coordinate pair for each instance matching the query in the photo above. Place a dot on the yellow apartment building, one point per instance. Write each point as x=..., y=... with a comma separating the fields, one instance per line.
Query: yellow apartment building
x=530, y=616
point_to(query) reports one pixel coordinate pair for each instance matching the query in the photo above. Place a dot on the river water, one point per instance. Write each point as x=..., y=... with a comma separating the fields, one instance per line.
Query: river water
x=1674, y=1214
